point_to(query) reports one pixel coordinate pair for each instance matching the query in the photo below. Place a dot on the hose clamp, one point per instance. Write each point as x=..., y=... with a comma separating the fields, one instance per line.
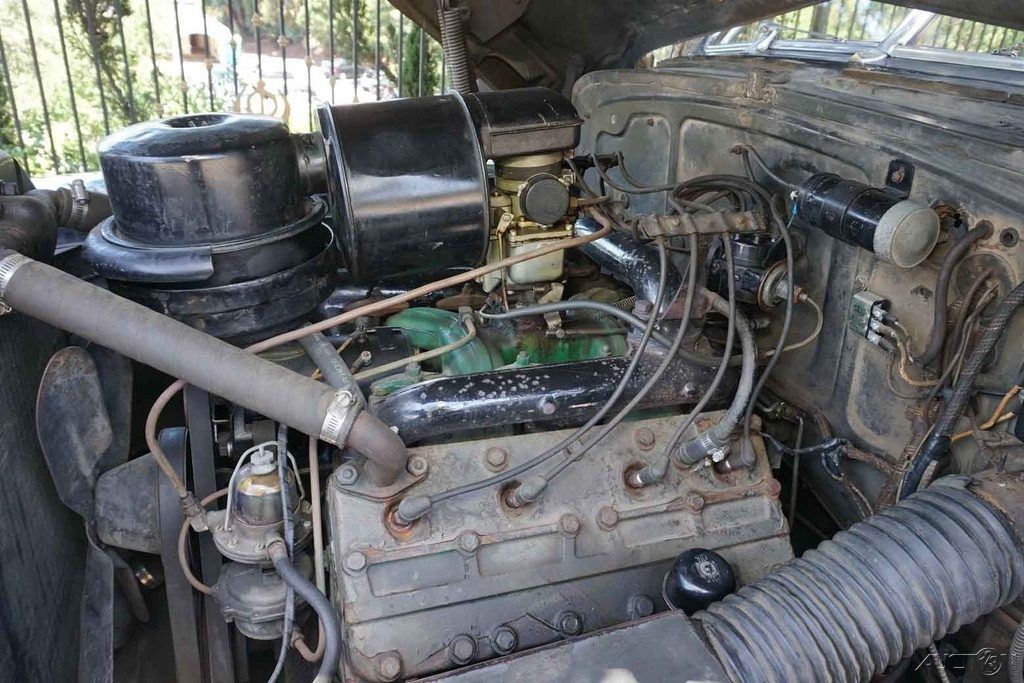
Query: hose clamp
x=8, y=265
x=341, y=415
x=79, y=202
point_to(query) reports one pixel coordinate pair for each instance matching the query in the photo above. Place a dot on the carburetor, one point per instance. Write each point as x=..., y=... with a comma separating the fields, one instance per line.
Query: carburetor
x=530, y=207
x=425, y=161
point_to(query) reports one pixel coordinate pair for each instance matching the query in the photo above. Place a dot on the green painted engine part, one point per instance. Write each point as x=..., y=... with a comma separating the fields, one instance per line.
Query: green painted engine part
x=429, y=328
x=506, y=344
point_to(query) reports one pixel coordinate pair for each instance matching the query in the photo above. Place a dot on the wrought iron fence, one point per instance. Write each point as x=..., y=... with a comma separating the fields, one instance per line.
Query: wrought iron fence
x=73, y=71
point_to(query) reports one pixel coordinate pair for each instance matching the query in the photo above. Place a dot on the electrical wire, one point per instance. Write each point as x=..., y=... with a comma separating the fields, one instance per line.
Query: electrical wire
x=819, y=322
x=787, y=320
x=153, y=417
x=594, y=419
x=289, y=543
x=657, y=469
x=746, y=151
x=654, y=378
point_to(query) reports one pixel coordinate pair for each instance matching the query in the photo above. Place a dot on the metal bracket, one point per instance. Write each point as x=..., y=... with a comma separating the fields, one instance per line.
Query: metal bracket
x=716, y=223
x=899, y=179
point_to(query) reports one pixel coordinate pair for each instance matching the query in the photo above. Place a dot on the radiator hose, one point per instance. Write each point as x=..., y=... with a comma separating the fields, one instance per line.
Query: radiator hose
x=172, y=347
x=879, y=591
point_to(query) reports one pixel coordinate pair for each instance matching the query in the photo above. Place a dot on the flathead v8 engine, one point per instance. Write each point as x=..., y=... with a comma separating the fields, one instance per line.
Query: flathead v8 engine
x=445, y=390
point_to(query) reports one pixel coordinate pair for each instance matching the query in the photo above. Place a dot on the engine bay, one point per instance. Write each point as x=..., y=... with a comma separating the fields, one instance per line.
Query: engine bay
x=710, y=367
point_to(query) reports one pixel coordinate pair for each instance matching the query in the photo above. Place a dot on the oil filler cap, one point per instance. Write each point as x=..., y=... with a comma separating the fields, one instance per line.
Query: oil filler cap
x=698, y=578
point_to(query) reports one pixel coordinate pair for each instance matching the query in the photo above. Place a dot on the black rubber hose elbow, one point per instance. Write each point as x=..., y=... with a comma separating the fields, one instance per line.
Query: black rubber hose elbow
x=953, y=256
x=320, y=604
x=878, y=591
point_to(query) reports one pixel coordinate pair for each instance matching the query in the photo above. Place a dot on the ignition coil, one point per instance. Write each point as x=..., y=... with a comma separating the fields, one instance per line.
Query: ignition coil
x=898, y=230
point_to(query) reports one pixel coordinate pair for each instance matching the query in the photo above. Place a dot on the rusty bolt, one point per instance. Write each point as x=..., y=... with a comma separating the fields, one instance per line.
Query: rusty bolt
x=570, y=524
x=607, y=517
x=355, y=561
x=696, y=502
x=468, y=542
x=774, y=487
x=644, y=438
x=898, y=175
x=389, y=666
x=496, y=458
x=417, y=466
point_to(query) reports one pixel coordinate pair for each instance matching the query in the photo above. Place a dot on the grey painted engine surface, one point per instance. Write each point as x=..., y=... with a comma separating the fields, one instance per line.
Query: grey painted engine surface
x=472, y=570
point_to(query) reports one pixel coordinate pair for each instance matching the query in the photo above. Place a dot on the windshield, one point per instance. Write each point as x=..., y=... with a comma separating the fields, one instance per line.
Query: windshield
x=840, y=29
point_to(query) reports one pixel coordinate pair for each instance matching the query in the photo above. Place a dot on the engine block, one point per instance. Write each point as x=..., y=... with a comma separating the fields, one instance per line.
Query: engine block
x=474, y=579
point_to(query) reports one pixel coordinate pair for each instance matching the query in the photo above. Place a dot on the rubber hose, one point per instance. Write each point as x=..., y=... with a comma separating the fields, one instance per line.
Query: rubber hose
x=953, y=256
x=938, y=442
x=170, y=346
x=1015, y=656
x=872, y=595
x=323, y=608
x=329, y=361
x=453, y=42
x=384, y=451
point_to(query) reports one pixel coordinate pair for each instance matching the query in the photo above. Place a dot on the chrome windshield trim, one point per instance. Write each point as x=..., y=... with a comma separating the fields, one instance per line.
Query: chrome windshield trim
x=896, y=45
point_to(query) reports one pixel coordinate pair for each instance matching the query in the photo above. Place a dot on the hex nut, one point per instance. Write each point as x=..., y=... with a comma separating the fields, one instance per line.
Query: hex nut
x=644, y=438
x=495, y=458
x=505, y=640
x=696, y=502
x=347, y=474
x=417, y=466
x=389, y=666
x=607, y=517
x=570, y=623
x=570, y=524
x=355, y=561
x=462, y=649
x=640, y=606
x=468, y=542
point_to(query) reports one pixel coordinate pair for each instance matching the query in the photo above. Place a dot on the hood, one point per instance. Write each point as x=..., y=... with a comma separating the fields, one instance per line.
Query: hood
x=549, y=42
